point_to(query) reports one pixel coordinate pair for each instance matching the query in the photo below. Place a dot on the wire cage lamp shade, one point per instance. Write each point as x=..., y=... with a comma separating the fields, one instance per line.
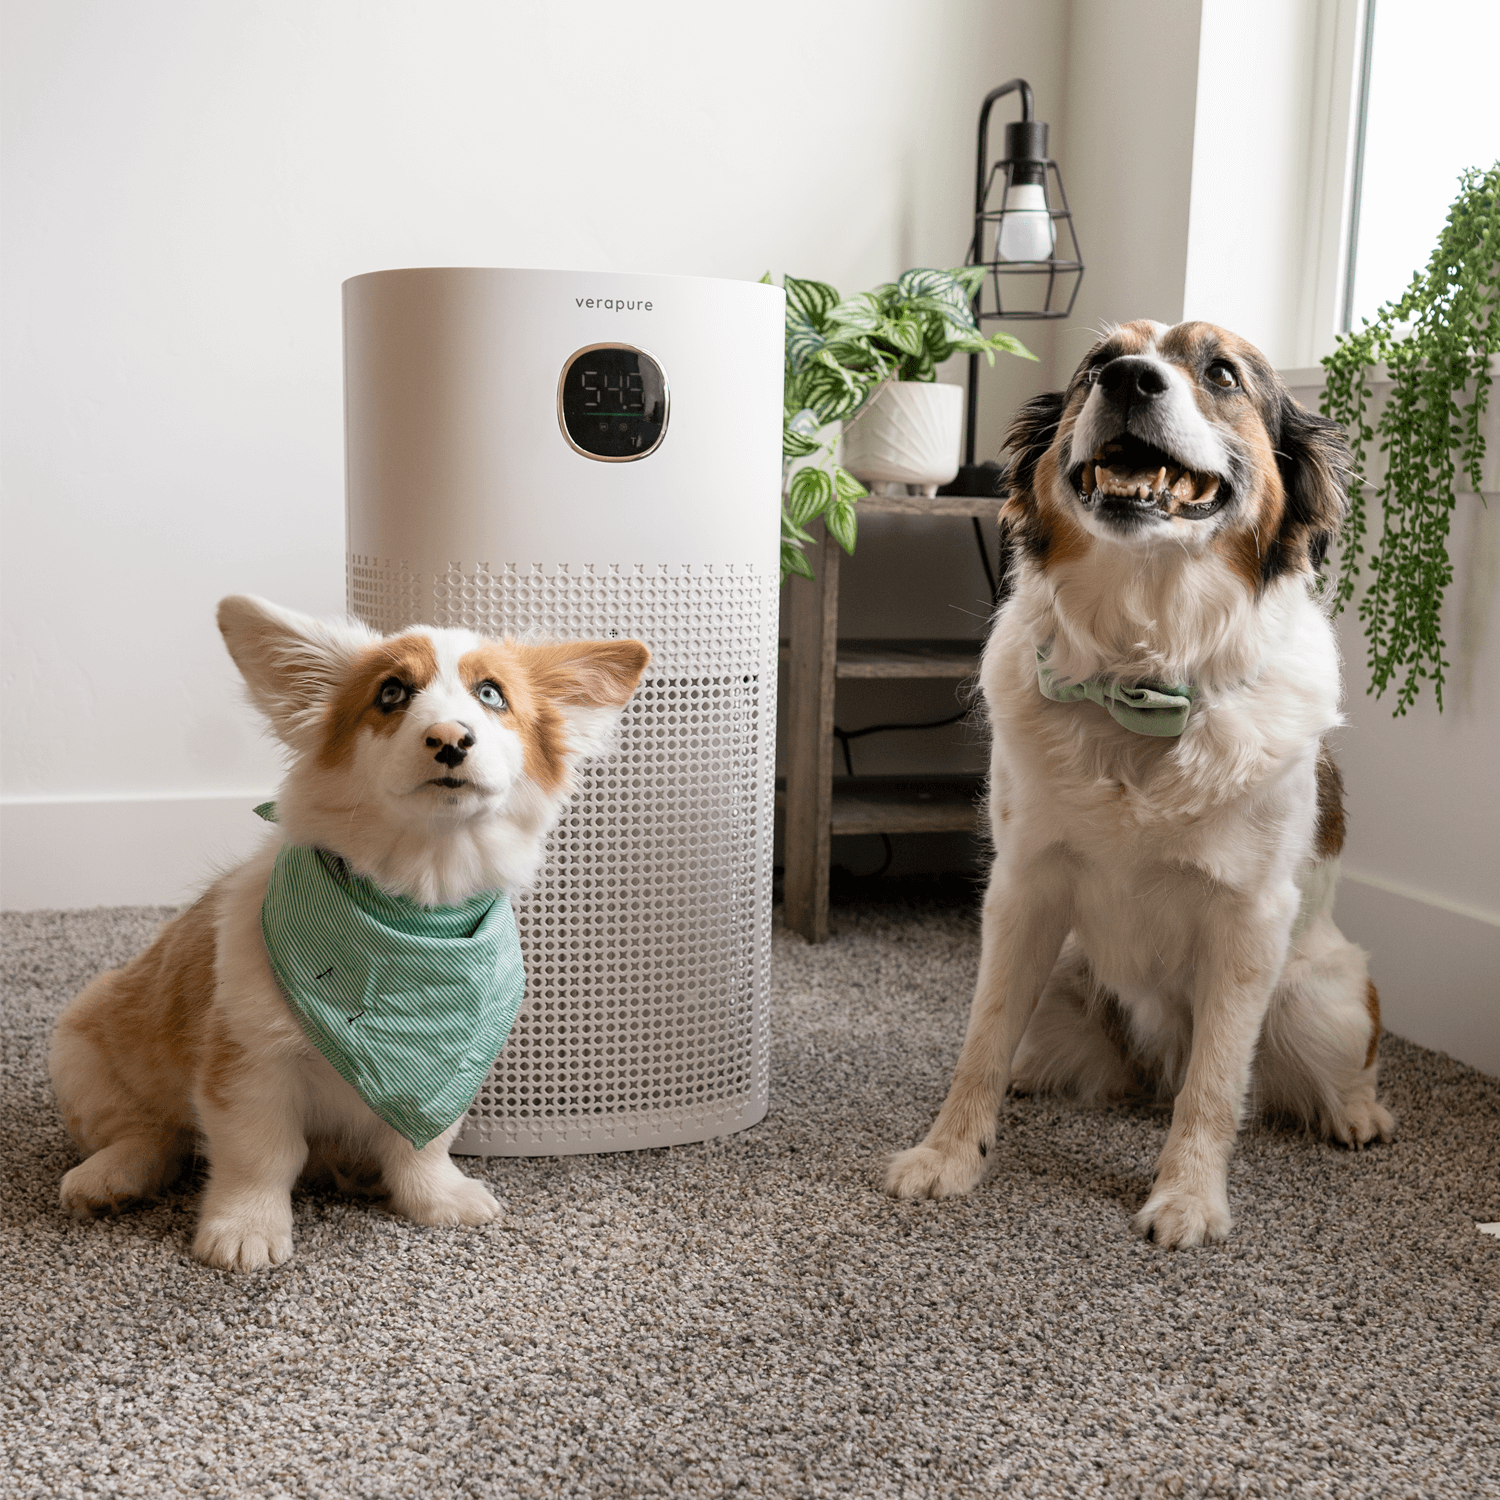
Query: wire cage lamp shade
x=1023, y=228
x=1022, y=239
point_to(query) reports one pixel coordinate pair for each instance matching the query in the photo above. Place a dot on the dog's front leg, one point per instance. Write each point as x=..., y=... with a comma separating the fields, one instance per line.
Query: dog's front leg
x=1026, y=917
x=1236, y=973
x=426, y=1186
x=256, y=1149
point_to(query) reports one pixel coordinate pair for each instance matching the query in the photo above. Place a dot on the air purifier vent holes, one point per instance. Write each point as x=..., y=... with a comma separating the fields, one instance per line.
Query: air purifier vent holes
x=645, y=1021
x=384, y=592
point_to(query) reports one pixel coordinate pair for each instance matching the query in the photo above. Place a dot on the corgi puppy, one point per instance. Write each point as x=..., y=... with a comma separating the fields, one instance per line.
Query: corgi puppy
x=1165, y=816
x=427, y=769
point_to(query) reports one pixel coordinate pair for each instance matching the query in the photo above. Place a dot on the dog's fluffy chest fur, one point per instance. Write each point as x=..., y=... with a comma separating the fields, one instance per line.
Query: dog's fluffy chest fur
x=1150, y=828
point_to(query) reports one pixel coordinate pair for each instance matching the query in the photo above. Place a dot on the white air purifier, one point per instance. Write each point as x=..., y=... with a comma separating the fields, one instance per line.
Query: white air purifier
x=578, y=454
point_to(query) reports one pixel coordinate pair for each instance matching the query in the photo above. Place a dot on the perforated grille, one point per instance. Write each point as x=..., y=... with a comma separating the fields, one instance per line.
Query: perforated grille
x=388, y=597
x=647, y=939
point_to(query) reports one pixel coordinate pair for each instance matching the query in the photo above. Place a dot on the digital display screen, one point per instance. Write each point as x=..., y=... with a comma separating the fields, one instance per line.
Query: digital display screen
x=613, y=393
x=613, y=402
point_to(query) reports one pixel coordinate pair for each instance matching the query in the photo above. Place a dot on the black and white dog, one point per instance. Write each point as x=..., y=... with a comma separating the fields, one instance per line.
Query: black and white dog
x=1166, y=819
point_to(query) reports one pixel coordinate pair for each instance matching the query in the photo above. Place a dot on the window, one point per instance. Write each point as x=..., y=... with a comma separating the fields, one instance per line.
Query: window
x=1430, y=111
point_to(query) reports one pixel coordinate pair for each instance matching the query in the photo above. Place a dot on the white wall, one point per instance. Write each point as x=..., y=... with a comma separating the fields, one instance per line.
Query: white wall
x=185, y=187
x=1421, y=884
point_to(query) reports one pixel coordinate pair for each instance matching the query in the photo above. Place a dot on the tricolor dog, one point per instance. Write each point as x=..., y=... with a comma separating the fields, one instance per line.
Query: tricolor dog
x=344, y=991
x=1165, y=815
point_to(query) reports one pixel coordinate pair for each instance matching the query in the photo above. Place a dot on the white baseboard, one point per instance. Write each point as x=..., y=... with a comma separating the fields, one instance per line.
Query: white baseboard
x=1435, y=962
x=126, y=851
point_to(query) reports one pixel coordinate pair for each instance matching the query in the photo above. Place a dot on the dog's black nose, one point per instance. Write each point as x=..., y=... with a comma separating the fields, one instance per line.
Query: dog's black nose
x=1132, y=379
x=451, y=741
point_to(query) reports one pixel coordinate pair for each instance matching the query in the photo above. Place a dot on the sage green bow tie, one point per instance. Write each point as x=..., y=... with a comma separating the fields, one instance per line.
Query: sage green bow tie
x=1147, y=708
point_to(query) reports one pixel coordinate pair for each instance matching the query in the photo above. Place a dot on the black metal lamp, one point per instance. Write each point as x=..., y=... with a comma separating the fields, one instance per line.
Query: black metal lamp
x=1023, y=238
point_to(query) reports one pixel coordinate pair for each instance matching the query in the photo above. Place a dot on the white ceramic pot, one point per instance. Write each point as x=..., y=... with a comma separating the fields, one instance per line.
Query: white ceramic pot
x=907, y=434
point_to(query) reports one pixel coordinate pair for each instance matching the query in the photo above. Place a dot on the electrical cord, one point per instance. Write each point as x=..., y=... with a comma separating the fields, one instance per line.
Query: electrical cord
x=984, y=558
x=845, y=735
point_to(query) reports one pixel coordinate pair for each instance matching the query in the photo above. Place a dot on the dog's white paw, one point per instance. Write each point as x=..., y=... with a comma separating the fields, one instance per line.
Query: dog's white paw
x=1178, y=1218
x=459, y=1200
x=934, y=1171
x=1360, y=1121
x=237, y=1244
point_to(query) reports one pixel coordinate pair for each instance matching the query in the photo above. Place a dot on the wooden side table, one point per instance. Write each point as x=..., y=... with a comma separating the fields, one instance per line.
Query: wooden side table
x=818, y=805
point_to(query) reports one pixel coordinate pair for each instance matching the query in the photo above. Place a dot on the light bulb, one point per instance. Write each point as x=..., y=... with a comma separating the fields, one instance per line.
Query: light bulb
x=1026, y=226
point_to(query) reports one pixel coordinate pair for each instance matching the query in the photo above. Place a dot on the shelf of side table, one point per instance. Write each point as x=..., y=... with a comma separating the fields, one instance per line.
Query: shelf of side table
x=816, y=806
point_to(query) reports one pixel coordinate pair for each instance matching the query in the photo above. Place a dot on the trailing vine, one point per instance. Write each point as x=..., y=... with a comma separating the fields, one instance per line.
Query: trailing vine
x=1435, y=340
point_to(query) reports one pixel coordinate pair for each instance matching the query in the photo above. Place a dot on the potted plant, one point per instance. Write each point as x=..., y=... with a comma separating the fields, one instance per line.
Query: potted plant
x=1437, y=342
x=869, y=362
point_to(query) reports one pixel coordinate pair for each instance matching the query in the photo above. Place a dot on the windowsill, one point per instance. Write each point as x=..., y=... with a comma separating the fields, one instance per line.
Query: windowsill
x=1311, y=377
x=1304, y=376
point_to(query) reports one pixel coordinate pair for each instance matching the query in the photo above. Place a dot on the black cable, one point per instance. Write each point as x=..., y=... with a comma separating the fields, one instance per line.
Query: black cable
x=984, y=557
x=845, y=735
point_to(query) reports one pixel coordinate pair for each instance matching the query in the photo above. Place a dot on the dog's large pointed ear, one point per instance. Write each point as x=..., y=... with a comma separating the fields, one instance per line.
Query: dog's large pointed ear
x=1031, y=433
x=589, y=683
x=291, y=663
x=1317, y=469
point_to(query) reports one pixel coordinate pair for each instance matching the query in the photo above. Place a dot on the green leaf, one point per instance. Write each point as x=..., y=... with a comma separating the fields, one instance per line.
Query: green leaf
x=1007, y=343
x=922, y=369
x=970, y=278
x=855, y=352
x=810, y=490
x=803, y=340
x=812, y=301
x=940, y=289
x=831, y=390
x=841, y=524
x=795, y=445
x=1001, y=342
x=790, y=530
x=794, y=560
x=846, y=486
x=907, y=334
x=862, y=314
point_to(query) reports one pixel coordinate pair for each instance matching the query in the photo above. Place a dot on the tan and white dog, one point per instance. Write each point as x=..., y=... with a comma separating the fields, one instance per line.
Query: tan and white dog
x=1158, y=915
x=434, y=763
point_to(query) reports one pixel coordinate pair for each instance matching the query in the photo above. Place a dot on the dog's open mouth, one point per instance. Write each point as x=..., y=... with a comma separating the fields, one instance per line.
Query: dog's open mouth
x=1130, y=478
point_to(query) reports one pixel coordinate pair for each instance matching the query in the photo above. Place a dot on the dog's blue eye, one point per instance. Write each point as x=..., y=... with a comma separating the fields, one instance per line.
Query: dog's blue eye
x=393, y=693
x=489, y=695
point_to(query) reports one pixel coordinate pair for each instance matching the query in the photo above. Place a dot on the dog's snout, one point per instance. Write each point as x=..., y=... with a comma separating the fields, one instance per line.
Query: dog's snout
x=1132, y=379
x=451, y=741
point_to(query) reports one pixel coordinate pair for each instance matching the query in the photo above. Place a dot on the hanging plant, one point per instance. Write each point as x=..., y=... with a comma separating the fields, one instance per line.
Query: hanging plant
x=1435, y=341
x=838, y=351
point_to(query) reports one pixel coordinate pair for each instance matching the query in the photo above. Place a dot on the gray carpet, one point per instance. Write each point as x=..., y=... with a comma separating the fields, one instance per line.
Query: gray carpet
x=751, y=1316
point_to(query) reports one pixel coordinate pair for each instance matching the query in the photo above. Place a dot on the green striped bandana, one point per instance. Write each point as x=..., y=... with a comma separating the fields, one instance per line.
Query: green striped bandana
x=1148, y=708
x=411, y=1004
